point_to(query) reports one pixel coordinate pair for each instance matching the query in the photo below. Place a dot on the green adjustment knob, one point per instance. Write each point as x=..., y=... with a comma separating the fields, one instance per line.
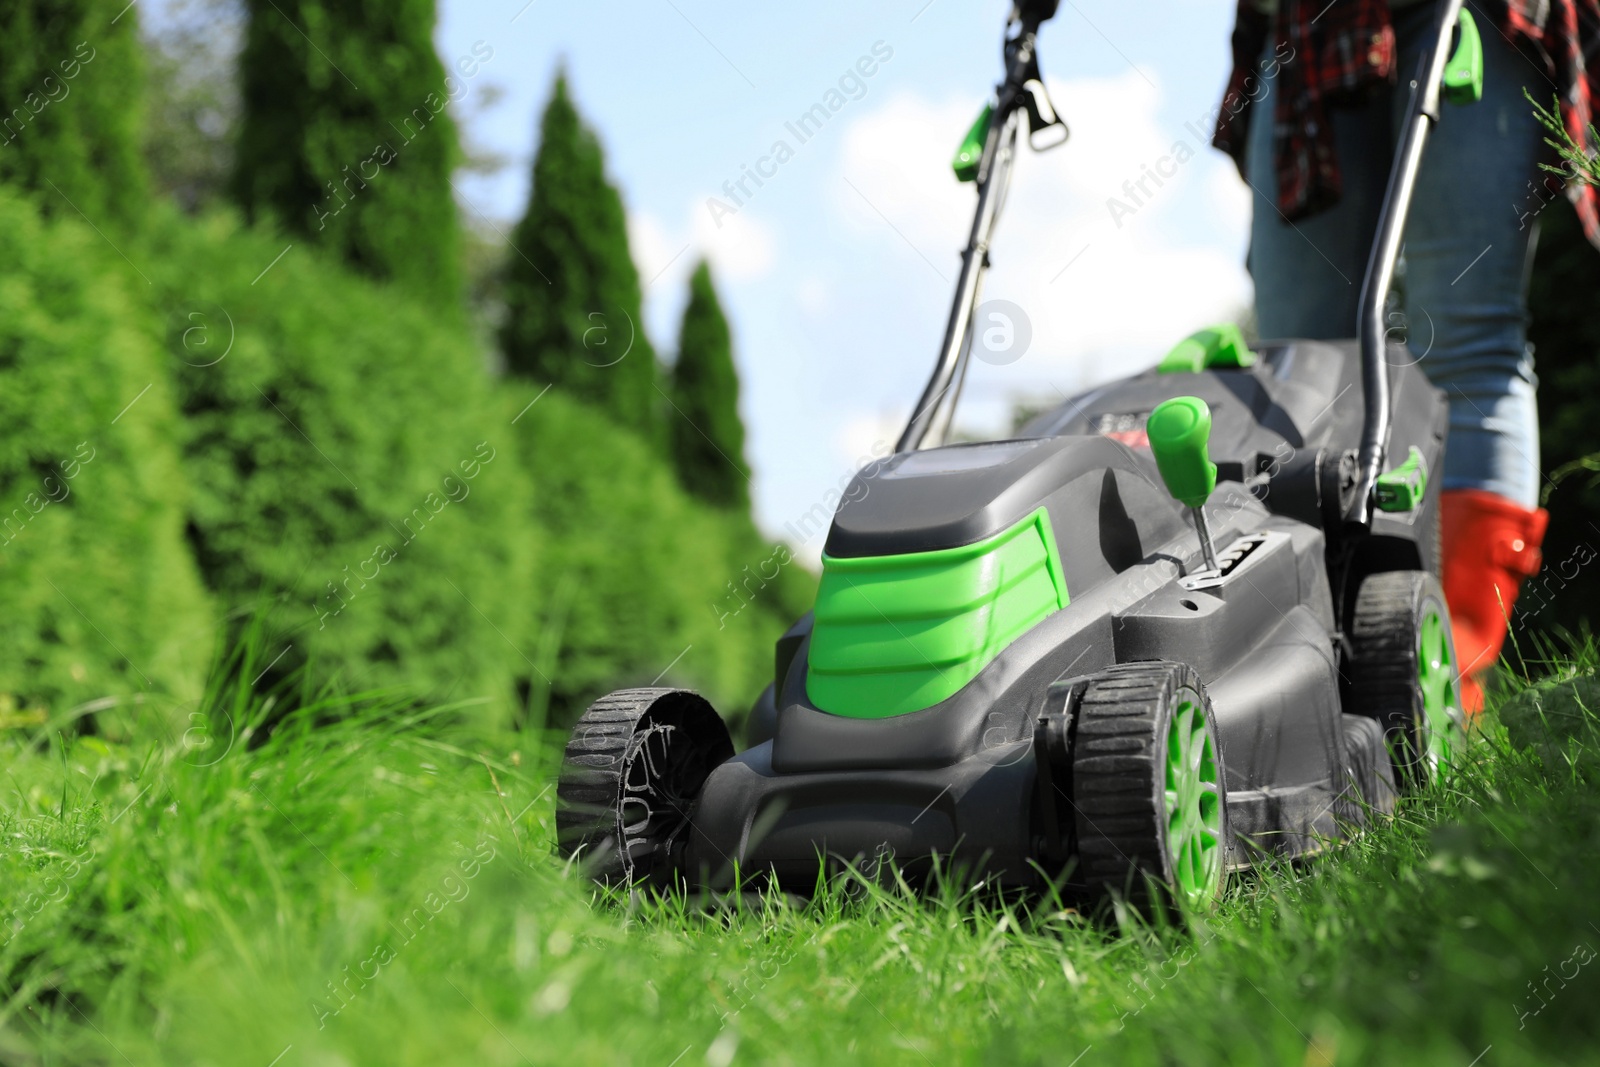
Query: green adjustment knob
x=970, y=154
x=1178, y=430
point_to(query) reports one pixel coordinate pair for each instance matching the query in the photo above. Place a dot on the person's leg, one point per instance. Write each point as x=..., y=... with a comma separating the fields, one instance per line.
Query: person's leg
x=1308, y=273
x=1467, y=246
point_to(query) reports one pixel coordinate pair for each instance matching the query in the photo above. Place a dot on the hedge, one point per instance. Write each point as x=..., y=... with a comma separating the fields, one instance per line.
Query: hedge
x=101, y=598
x=349, y=464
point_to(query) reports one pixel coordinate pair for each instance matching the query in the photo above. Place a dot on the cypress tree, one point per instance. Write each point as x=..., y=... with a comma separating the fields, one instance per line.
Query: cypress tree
x=346, y=138
x=706, y=433
x=68, y=72
x=573, y=300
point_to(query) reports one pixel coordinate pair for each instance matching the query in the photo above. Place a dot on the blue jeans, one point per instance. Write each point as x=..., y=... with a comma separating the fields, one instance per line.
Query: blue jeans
x=1468, y=249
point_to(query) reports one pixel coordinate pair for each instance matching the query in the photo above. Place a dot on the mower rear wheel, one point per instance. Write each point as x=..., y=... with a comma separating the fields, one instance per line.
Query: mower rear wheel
x=634, y=767
x=1403, y=670
x=1147, y=784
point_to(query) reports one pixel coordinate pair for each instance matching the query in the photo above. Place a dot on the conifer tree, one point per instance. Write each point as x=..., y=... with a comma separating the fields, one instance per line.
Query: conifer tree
x=70, y=126
x=705, y=430
x=573, y=300
x=346, y=138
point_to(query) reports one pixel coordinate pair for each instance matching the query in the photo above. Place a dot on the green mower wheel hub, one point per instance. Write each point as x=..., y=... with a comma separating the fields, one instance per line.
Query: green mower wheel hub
x=1436, y=679
x=1194, y=807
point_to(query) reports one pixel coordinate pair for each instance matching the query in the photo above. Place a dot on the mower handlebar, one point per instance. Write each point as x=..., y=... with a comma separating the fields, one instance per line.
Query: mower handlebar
x=1421, y=113
x=999, y=127
x=1033, y=12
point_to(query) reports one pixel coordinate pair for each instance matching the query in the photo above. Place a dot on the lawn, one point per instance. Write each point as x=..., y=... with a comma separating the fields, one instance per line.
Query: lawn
x=371, y=884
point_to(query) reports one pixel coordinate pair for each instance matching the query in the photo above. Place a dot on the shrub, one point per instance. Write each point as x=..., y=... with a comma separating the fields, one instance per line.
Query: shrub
x=69, y=73
x=348, y=460
x=644, y=584
x=100, y=595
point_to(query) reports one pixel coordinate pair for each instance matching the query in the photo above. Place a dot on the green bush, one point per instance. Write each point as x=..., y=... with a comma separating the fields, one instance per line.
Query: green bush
x=644, y=582
x=353, y=465
x=69, y=81
x=348, y=459
x=326, y=451
x=100, y=596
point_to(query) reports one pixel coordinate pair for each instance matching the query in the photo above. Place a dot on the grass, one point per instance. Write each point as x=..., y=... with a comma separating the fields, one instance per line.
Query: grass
x=370, y=884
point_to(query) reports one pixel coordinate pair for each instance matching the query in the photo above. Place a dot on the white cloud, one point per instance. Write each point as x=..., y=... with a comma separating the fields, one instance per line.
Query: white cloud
x=742, y=249
x=1230, y=198
x=652, y=246
x=666, y=254
x=814, y=295
x=864, y=436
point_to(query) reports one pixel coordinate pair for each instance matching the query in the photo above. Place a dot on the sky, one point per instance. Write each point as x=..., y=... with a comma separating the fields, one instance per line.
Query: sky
x=837, y=271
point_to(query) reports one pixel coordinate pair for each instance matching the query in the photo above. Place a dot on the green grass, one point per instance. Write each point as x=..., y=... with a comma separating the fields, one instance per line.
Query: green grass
x=380, y=889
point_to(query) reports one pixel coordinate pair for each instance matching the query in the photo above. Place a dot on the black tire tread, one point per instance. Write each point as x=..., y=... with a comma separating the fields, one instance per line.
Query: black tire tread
x=589, y=793
x=1122, y=723
x=1384, y=626
x=1383, y=629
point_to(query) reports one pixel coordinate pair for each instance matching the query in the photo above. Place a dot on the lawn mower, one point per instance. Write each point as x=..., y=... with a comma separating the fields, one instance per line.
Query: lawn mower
x=1186, y=623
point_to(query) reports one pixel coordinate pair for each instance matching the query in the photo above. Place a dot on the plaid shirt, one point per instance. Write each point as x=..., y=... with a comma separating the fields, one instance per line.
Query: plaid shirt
x=1333, y=52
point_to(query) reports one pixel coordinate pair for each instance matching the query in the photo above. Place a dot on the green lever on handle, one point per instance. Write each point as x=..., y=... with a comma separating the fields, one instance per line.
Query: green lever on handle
x=970, y=155
x=1179, y=430
x=1463, y=75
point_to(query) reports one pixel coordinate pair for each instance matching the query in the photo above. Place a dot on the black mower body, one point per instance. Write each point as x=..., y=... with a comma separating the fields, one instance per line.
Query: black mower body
x=960, y=780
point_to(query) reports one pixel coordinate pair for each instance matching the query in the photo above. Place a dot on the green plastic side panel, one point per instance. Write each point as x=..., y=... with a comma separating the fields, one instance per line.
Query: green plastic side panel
x=970, y=155
x=1463, y=75
x=896, y=634
x=1216, y=346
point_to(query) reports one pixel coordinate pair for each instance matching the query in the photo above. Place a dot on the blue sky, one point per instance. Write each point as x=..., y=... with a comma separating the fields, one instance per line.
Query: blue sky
x=837, y=272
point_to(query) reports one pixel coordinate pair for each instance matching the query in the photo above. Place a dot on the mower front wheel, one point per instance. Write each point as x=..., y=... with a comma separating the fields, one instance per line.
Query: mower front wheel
x=634, y=767
x=1147, y=784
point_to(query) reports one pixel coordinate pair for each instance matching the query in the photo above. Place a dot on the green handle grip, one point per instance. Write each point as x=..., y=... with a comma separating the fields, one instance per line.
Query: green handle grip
x=1463, y=75
x=1179, y=430
x=1216, y=346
